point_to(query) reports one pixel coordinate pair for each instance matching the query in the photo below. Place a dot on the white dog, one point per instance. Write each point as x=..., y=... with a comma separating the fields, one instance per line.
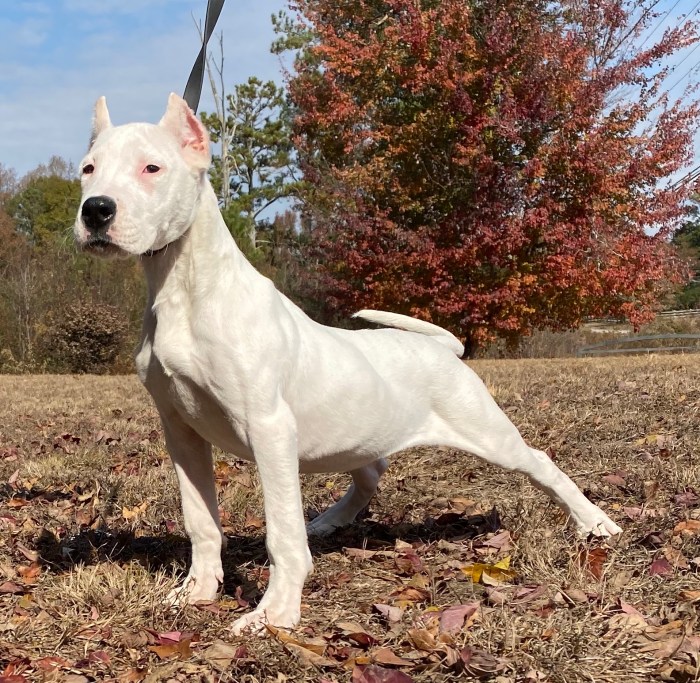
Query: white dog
x=232, y=362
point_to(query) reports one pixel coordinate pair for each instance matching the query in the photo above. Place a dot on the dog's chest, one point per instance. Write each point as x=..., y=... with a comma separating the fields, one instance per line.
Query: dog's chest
x=175, y=380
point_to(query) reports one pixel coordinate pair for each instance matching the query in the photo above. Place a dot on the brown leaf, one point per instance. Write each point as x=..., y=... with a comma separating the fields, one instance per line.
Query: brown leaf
x=99, y=657
x=629, y=609
x=479, y=662
x=687, y=498
x=390, y=613
x=11, y=587
x=133, y=675
x=525, y=594
x=452, y=619
x=357, y=633
x=663, y=649
x=30, y=575
x=309, y=656
x=461, y=505
x=689, y=595
x=410, y=595
x=617, y=479
x=501, y=541
x=378, y=674
x=51, y=663
x=660, y=567
x=252, y=521
x=135, y=512
x=676, y=557
x=134, y=640
x=31, y=555
x=181, y=650
x=383, y=655
x=689, y=527
x=221, y=654
x=361, y=553
x=593, y=560
x=422, y=639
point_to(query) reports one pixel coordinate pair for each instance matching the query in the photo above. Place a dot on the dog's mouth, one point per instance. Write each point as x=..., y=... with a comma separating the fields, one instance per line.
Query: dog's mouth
x=101, y=246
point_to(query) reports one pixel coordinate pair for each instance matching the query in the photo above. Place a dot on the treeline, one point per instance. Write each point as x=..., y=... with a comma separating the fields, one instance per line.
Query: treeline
x=493, y=167
x=60, y=311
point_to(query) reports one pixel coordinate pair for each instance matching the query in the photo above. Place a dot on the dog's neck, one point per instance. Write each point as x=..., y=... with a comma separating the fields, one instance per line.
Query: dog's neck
x=171, y=272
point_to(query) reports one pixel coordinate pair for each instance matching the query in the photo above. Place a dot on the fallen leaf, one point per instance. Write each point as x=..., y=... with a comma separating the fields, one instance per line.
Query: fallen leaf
x=616, y=479
x=490, y=574
x=663, y=649
x=252, y=521
x=389, y=612
x=133, y=675
x=11, y=587
x=461, y=505
x=220, y=654
x=31, y=555
x=479, y=663
x=689, y=527
x=593, y=560
x=181, y=650
x=372, y=673
x=357, y=633
x=660, y=567
x=408, y=595
x=690, y=595
x=383, y=655
x=501, y=541
x=51, y=663
x=452, y=619
x=687, y=498
x=309, y=656
x=422, y=639
x=133, y=513
x=676, y=557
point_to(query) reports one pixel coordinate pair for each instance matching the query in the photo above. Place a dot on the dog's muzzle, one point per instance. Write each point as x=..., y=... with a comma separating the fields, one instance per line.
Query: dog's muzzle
x=98, y=214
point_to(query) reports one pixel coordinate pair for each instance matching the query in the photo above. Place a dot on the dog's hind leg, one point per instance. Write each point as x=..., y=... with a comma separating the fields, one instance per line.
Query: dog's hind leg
x=342, y=513
x=473, y=422
x=191, y=456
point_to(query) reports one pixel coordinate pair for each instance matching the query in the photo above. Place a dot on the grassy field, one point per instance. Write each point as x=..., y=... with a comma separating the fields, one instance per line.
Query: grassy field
x=457, y=571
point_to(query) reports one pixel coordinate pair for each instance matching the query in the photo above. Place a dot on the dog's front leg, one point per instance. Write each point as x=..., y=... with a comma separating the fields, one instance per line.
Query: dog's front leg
x=274, y=445
x=191, y=456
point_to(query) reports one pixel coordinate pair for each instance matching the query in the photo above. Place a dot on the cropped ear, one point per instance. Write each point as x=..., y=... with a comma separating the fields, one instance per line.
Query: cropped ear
x=100, y=119
x=181, y=121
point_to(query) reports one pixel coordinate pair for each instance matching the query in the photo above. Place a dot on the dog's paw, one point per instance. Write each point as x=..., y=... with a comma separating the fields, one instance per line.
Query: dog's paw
x=322, y=527
x=192, y=590
x=255, y=622
x=600, y=526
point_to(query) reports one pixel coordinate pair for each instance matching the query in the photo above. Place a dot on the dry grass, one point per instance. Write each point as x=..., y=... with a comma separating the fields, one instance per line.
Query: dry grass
x=91, y=540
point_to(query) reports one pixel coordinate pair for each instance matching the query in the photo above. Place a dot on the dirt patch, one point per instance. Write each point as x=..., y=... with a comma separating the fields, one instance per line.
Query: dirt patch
x=458, y=571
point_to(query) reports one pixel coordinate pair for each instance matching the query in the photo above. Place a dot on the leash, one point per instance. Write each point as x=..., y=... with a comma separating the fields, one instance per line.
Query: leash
x=193, y=89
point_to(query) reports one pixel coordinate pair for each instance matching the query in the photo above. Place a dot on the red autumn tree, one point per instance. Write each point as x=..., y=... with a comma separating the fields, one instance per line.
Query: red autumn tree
x=493, y=166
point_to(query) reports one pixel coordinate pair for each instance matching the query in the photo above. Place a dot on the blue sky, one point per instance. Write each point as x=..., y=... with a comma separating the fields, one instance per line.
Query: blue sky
x=58, y=56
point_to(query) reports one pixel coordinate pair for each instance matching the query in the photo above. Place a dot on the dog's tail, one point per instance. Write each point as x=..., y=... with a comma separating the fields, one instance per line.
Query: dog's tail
x=409, y=324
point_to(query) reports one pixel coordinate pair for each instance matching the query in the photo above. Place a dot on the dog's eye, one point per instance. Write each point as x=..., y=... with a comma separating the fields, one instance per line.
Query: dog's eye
x=151, y=168
x=88, y=168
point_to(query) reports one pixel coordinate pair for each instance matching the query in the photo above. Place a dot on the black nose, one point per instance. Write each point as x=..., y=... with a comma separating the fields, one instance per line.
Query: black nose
x=98, y=213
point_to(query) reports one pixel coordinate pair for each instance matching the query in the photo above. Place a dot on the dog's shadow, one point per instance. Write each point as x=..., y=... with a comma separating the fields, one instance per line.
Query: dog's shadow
x=245, y=556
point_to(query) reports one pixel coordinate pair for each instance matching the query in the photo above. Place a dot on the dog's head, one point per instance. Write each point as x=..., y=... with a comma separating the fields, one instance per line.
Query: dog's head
x=141, y=182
